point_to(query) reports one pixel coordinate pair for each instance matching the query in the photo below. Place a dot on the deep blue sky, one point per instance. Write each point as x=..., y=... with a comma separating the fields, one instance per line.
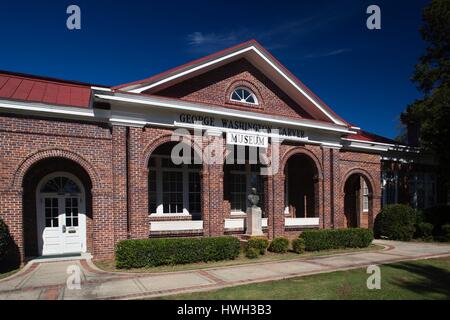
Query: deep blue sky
x=363, y=75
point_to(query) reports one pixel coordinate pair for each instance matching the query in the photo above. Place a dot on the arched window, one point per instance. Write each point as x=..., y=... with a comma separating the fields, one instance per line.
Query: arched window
x=243, y=95
x=60, y=185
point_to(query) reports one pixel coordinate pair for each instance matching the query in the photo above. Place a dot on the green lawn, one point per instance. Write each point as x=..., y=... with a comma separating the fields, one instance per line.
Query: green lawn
x=424, y=279
x=109, y=265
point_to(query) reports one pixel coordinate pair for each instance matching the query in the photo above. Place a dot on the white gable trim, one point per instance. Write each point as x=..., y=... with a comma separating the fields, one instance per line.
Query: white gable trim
x=229, y=56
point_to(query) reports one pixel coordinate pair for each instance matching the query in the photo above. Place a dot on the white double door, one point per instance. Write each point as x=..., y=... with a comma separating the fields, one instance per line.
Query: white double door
x=61, y=224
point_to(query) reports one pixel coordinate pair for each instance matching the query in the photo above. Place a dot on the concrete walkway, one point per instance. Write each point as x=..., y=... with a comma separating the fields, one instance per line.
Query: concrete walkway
x=48, y=280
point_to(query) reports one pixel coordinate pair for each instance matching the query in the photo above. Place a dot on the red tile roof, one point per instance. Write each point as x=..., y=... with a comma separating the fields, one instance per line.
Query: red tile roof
x=21, y=87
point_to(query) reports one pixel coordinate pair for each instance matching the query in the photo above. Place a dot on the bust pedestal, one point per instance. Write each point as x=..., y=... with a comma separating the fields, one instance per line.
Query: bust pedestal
x=254, y=222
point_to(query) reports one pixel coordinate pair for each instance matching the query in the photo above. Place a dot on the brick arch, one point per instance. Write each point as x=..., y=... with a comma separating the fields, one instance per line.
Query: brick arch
x=53, y=153
x=365, y=174
x=302, y=151
x=154, y=144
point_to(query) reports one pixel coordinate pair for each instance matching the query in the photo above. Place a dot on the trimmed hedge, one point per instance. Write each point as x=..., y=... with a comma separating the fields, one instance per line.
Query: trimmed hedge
x=252, y=253
x=258, y=243
x=446, y=232
x=298, y=245
x=424, y=230
x=438, y=216
x=279, y=245
x=5, y=238
x=396, y=222
x=170, y=251
x=325, y=239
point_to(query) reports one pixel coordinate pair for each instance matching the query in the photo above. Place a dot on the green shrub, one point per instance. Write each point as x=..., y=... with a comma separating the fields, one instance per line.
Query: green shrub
x=424, y=230
x=446, y=232
x=279, y=245
x=252, y=253
x=438, y=216
x=325, y=239
x=170, y=251
x=395, y=222
x=5, y=238
x=258, y=243
x=298, y=245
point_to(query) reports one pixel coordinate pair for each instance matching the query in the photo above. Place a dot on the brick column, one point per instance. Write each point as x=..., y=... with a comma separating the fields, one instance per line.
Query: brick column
x=102, y=207
x=119, y=172
x=277, y=221
x=212, y=186
x=137, y=186
x=337, y=197
x=327, y=218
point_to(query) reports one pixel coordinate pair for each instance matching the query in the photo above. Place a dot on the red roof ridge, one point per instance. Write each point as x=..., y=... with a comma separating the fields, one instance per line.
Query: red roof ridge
x=185, y=65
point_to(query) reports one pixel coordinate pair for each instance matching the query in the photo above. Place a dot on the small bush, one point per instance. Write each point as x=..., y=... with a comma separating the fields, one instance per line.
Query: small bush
x=258, y=243
x=170, y=251
x=252, y=253
x=446, y=232
x=395, y=222
x=298, y=245
x=424, y=230
x=279, y=245
x=438, y=216
x=5, y=238
x=325, y=239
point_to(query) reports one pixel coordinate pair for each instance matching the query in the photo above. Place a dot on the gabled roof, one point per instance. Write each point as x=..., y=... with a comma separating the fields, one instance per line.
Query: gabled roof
x=21, y=87
x=260, y=58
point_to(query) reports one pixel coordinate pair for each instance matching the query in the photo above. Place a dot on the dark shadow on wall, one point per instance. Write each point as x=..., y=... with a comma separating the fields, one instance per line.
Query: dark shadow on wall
x=12, y=260
x=432, y=280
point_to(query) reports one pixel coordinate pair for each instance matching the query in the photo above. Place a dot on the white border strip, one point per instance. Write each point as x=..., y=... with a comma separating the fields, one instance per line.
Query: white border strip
x=157, y=103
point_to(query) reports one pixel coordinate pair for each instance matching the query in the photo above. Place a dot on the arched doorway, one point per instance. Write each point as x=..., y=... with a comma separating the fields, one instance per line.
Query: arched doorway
x=61, y=214
x=357, y=201
x=301, y=187
x=57, y=208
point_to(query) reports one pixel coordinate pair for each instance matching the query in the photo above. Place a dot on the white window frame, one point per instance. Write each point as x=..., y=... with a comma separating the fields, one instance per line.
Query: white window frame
x=252, y=94
x=365, y=194
x=185, y=170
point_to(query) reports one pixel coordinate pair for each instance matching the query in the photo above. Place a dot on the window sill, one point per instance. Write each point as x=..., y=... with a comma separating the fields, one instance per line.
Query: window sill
x=173, y=215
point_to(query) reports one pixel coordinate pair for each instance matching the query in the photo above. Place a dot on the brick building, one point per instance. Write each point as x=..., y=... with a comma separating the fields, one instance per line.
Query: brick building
x=84, y=166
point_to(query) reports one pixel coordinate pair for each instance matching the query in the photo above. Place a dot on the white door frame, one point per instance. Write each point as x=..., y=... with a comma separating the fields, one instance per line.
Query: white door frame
x=40, y=214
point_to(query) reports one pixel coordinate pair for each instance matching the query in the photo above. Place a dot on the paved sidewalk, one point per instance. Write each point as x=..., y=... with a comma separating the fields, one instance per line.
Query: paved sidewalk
x=48, y=280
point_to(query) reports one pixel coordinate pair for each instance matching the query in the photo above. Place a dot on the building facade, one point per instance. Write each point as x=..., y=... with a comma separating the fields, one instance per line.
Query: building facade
x=84, y=166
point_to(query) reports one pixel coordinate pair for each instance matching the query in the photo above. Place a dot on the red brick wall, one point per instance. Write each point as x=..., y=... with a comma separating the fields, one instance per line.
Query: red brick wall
x=367, y=166
x=28, y=140
x=101, y=153
x=215, y=88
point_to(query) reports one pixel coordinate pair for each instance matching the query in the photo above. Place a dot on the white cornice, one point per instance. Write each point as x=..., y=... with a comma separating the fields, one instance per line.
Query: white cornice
x=204, y=109
x=40, y=108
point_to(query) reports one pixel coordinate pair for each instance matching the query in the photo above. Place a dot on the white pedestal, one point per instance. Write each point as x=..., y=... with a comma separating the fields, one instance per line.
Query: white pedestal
x=254, y=222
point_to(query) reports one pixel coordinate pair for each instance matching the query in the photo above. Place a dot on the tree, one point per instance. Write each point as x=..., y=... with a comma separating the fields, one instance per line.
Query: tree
x=431, y=114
